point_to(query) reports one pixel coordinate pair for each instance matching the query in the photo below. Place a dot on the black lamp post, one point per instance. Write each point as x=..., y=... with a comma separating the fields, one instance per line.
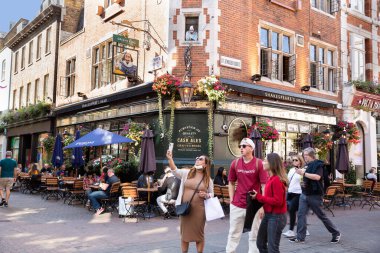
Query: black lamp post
x=186, y=91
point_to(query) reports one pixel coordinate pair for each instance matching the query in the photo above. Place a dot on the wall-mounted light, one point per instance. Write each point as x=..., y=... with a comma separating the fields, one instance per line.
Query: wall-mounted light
x=82, y=95
x=256, y=78
x=186, y=91
x=305, y=88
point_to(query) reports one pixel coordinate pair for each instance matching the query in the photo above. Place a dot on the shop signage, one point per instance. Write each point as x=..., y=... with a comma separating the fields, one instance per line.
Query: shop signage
x=230, y=62
x=280, y=126
x=366, y=101
x=293, y=127
x=236, y=132
x=285, y=98
x=95, y=102
x=304, y=128
x=190, y=135
x=252, y=109
x=125, y=40
x=191, y=105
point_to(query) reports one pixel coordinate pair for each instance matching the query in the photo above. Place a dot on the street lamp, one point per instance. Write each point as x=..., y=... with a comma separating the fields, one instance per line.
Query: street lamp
x=186, y=91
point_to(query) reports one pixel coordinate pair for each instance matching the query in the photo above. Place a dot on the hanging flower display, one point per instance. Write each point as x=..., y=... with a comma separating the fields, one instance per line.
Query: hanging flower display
x=134, y=131
x=268, y=133
x=213, y=89
x=166, y=85
x=322, y=143
x=350, y=129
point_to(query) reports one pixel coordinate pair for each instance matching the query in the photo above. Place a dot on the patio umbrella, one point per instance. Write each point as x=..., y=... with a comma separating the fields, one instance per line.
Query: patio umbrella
x=77, y=158
x=342, y=158
x=57, y=158
x=307, y=141
x=98, y=137
x=256, y=137
x=148, y=156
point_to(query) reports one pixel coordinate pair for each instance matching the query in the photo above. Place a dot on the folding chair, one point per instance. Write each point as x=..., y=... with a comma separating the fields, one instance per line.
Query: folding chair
x=113, y=197
x=133, y=205
x=329, y=199
x=226, y=199
x=76, y=193
x=52, y=189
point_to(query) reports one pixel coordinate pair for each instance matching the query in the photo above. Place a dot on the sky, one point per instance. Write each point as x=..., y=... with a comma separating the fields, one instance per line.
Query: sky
x=13, y=10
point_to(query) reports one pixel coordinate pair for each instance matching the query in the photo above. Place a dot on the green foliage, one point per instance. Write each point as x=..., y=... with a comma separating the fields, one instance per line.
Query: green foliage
x=366, y=86
x=27, y=113
x=350, y=177
x=48, y=144
x=2, y=128
x=68, y=153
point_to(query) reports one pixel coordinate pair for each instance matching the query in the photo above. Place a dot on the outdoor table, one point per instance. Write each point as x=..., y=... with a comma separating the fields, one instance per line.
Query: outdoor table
x=148, y=213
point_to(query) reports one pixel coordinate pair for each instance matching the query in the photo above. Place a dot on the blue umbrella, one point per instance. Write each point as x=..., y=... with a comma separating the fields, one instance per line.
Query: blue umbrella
x=57, y=158
x=77, y=160
x=98, y=137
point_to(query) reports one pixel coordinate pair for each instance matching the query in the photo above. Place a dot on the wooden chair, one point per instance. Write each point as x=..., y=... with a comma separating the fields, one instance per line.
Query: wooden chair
x=329, y=198
x=128, y=184
x=52, y=189
x=218, y=192
x=113, y=198
x=344, y=197
x=76, y=193
x=133, y=205
x=373, y=199
x=226, y=199
x=363, y=193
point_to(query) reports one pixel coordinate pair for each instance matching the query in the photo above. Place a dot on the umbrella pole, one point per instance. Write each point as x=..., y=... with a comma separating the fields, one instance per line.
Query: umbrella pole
x=100, y=151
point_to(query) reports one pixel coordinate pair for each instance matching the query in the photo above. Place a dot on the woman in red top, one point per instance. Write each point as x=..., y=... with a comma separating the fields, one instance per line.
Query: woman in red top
x=269, y=235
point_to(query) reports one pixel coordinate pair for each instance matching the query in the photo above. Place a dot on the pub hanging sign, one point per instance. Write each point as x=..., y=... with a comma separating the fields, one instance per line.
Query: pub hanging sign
x=366, y=102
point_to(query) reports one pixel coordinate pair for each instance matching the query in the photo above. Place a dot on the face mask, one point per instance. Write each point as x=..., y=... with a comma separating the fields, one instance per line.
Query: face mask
x=198, y=167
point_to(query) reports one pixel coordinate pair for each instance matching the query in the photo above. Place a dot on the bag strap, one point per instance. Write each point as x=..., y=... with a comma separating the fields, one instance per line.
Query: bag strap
x=197, y=188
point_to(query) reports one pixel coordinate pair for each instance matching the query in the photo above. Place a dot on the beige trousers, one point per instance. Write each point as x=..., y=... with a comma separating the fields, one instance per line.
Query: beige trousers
x=237, y=216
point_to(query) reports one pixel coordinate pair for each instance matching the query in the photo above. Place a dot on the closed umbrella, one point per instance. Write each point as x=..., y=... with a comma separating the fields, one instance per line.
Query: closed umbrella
x=77, y=158
x=57, y=158
x=342, y=158
x=148, y=161
x=257, y=139
x=307, y=141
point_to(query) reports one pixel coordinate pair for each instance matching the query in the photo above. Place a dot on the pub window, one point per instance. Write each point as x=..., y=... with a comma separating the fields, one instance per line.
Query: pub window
x=23, y=58
x=357, y=58
x=30, y=56
x=276, y=58
x=323, y=73
x=191, y=28
x=16, y=63
x=328, y=6
x=36, y=90
x=39, y=48
x=70, y=77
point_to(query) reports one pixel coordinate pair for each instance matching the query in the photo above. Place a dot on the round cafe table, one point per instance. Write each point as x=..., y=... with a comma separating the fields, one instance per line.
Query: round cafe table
x=149, y=212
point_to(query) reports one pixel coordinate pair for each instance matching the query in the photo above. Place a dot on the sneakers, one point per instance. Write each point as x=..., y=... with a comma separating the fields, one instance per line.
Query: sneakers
x=295, y=240
x=88, y=203
x=5, y=204
x=289, y=233
x=100, y=211
x=307, y=233
x=2, y=202
x=336, y=238
x=167, y=215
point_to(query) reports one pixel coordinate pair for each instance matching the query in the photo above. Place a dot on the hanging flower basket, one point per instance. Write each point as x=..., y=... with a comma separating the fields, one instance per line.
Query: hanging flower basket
x=352, y=132
x=166, y=85
x=268, y=133
x=211, y=87
x=322, y=143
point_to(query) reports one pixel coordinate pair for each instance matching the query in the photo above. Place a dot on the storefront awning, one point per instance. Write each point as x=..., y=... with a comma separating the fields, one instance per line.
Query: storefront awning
x=271, y=93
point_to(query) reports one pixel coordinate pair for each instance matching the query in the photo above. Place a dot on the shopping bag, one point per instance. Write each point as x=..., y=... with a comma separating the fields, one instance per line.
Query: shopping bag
x=213, y=209
x=124, y=207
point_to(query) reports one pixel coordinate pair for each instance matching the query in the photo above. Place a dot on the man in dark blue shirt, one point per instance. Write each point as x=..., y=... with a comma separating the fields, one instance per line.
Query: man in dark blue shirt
x=8, y=176
x=103, y=192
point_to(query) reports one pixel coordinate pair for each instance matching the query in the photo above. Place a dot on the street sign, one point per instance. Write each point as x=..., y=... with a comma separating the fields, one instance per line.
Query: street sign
x=126, y=41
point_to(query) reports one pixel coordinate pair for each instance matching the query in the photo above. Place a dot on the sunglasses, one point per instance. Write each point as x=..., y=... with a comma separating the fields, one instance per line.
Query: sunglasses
x=200, y=158
x=296, y=160
x=243, y=146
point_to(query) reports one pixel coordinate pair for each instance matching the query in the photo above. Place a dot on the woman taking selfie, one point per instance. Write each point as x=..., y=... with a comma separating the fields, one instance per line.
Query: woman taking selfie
x=274, y=200
x=196, y=186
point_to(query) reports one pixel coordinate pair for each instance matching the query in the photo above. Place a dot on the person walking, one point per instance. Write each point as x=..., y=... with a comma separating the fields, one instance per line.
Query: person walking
x=8, y=175
x=274, y=200
x=249, y=174
x=196, y=186
x=311, y=197
x=294, y=193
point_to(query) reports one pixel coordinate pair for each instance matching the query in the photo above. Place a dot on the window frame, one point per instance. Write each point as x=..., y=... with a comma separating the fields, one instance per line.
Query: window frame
x=45, y=87
x=357, y=51
x=30, y=53
x=14, y=99
x=362, y=5
x=15, y=70
x=28, y=88
x=48, y=41
x=23, y=58
x=21, y=96
x=70, y=77
x=39, y=47
x=36, y=88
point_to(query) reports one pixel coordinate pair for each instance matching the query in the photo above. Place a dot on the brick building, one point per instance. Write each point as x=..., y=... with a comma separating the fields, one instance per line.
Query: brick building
x=360, y=65
x=34, y=76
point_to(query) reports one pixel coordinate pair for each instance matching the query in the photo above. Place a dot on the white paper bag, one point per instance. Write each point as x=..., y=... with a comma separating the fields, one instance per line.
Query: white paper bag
x=213, y=209
x=123, y=206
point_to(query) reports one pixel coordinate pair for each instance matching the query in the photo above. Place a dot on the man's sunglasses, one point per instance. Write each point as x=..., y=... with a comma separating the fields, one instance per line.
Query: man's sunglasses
x=243, y=146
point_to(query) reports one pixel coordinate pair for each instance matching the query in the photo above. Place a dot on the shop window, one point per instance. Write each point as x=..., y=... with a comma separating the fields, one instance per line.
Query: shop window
x=276, y=59
x=328, y=6
x=357, y=58
x=191, y=28
x=323, y=72
x=70, y=77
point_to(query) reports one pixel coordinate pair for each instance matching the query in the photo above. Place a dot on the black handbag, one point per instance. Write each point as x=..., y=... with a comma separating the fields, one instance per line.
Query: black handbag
x=184, y=208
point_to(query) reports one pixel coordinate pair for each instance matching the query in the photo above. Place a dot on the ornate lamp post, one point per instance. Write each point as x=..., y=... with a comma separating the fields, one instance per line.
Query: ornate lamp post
x=186, y=89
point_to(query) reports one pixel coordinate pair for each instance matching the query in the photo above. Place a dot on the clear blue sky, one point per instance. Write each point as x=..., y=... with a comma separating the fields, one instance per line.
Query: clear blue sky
x=13, y=10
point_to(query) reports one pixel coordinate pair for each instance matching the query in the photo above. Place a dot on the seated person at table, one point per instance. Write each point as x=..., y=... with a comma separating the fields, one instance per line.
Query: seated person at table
x=103, y=192
x=372, y=177
x=142, y=182
x=221, y=177
x=35, y=180
x=46, y=169
x=61, y=172
x=104, y=175
x=170, y=184
x=87, y=181
x=34, y=170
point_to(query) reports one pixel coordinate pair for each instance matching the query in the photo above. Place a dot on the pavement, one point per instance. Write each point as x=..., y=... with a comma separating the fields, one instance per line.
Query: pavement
x=31, y=224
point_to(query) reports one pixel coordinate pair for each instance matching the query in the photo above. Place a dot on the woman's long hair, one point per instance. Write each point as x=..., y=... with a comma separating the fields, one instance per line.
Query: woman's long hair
x=206, y=171
x=300, y=158
x=277, y=168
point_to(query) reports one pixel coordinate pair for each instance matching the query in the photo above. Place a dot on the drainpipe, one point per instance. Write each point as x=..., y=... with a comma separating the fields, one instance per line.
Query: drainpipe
x=55, y=82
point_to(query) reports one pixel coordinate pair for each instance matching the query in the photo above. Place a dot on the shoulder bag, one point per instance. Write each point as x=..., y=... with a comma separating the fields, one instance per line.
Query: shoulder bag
x=184, y=208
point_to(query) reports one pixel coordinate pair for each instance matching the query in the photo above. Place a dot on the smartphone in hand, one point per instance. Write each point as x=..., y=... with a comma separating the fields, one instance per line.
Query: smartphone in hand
x=171, y=145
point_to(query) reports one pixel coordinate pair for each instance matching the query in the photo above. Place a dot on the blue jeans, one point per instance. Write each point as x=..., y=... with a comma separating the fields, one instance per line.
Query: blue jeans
x=269, y=235
x=95, y=196
x=313, y=202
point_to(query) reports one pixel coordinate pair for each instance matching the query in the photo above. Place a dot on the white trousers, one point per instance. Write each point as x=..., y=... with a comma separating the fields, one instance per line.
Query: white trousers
x=161, y=200
x=237, y=216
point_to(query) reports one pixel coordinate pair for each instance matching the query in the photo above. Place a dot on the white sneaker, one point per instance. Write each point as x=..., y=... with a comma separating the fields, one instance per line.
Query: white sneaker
x=289, y=233
x=307, y=233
